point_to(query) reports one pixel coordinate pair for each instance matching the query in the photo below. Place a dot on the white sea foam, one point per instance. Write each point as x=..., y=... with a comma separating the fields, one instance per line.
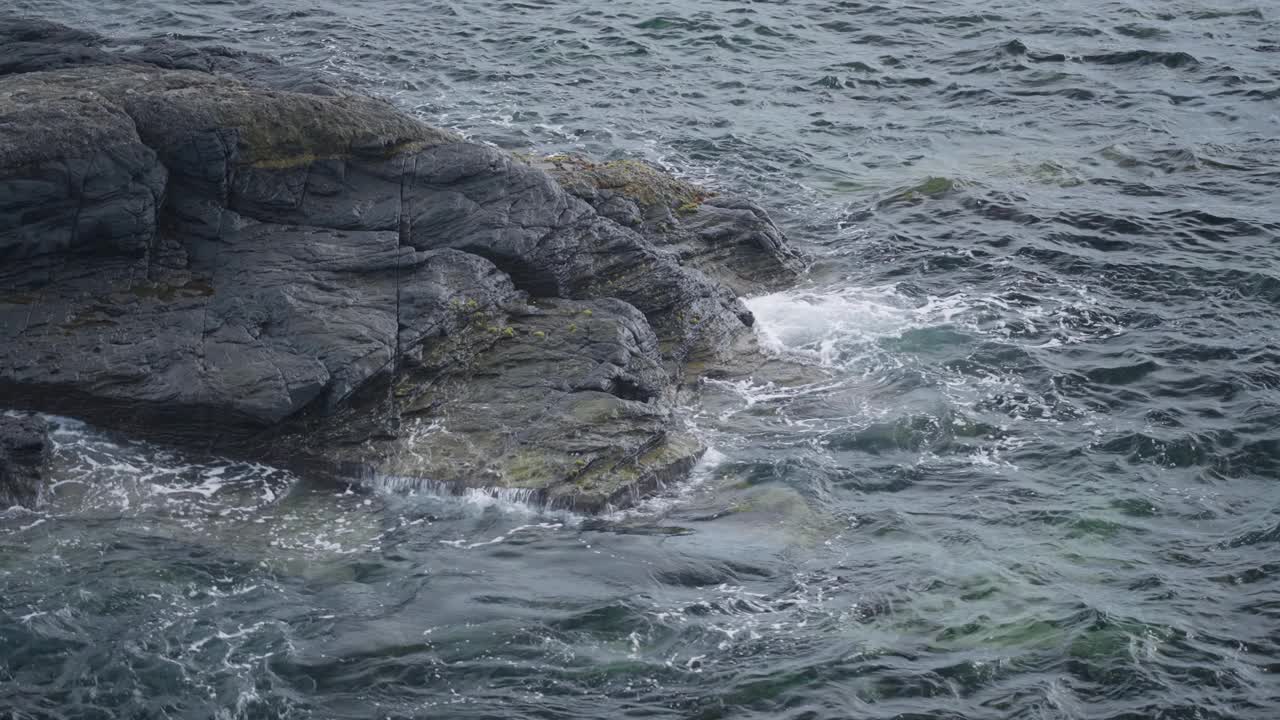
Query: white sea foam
x=206, y=498
x=830, y=326
x=813, y=325
x=504, y=537
x=91, y=472
x=671, y=496
x=523, y=501
x=866, y=337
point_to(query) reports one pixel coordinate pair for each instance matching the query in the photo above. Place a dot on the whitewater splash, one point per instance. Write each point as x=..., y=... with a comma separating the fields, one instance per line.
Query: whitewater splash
x=512, y=500
x=848, y=335
x=839, y=327
x=92, y=472
x=938, y=376
x=516, y=502
x=830, y=327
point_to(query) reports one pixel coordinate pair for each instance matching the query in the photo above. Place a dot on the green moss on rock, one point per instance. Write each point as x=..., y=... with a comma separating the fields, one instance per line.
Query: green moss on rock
x=275, y=129
x=642, y=183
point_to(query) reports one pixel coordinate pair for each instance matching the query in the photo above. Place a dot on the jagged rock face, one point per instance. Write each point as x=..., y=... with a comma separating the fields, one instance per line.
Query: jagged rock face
x=24, y=450
x=729, y=239
x=204, y=246
x=568, y=389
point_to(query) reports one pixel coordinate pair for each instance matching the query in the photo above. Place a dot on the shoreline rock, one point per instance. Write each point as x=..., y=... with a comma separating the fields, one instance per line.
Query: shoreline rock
x=207, y=248
x=24, y=451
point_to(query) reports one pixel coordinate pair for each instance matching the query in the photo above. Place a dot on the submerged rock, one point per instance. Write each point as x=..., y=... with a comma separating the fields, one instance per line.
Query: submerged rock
x=206, y=247
x=24, y=451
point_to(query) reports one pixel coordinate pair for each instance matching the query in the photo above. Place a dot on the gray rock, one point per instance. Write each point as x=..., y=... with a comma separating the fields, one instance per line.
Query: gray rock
x=729, y=239
x=87, y=183
x=558, y=388
x=24, y=451
x=206, y=247
x=31, y=45
x=271, y=320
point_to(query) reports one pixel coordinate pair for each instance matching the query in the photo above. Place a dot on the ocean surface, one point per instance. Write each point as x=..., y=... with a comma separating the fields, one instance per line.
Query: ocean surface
x=1034, y=473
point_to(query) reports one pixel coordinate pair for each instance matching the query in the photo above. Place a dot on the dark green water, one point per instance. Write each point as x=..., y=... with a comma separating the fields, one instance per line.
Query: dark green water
x=1037, y=478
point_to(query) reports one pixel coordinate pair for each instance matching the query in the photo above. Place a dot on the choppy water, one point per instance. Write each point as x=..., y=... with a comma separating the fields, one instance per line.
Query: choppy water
x=1037, y=477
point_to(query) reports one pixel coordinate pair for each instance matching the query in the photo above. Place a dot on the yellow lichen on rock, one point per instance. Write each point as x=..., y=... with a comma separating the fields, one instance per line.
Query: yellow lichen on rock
x=638, y=181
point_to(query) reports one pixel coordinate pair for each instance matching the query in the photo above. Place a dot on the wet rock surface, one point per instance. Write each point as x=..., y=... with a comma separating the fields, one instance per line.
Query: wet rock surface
x=209, y=248
x=729, y=239
x=24, y=451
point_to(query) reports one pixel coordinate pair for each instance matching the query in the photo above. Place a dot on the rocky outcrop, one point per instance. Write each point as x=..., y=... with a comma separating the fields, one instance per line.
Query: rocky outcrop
x=730, y=239
x=24, y=451
x=202, y=246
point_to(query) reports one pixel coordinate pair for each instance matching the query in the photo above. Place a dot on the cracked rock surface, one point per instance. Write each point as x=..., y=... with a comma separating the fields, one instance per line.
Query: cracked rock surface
x=208, y=248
